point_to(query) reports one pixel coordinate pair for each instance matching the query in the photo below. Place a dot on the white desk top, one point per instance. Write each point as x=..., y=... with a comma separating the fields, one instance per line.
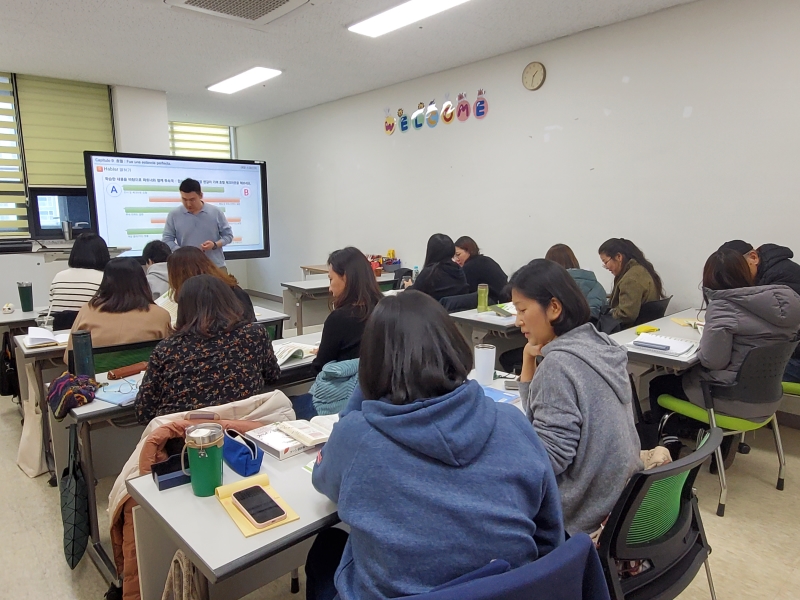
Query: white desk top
x=669, y=328
x=321, y=285
x=265, y=315
x=19, y=316
x=202, y=528
x=488, y=320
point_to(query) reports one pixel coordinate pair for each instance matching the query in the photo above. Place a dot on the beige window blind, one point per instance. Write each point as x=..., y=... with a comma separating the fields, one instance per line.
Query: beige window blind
x=200, y=141
x=13, y=208
x=60, y=119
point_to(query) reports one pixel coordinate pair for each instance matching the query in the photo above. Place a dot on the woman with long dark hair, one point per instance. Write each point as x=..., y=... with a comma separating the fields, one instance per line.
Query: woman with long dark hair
x=355, y=294
x=635, y=279
x=441, y=276
x=75, y=286
x=578, y=397
x=441, y=449
x=189, y=261
x=122, y=311
x=479, y=268
x=739, y=317
x=214, y=357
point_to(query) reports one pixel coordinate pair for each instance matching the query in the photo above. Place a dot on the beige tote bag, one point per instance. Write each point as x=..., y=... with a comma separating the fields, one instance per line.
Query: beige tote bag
x=30, y=457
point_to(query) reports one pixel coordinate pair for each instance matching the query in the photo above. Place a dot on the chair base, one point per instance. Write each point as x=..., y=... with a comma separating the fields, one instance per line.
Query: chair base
x=720, y=510
x=780, y=484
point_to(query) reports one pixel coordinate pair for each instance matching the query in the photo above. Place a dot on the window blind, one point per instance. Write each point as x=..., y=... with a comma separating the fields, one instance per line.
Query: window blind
x=59, y=120
x=200, y=141
x=13, y=210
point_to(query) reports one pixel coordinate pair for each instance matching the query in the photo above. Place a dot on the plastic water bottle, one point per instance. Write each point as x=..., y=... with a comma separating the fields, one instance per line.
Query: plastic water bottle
x=416, y=273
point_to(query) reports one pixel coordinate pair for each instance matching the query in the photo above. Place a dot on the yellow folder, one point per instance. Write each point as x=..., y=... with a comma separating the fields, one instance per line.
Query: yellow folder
x=224, y=493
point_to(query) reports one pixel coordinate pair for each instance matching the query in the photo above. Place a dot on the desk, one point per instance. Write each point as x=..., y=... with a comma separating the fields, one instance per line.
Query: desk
x=200, y=527
x=669, y=328
x=98, y=413
x=19, y=319
x=313, y=270
x=317, y=289
x=476, y=326
x=271, y=318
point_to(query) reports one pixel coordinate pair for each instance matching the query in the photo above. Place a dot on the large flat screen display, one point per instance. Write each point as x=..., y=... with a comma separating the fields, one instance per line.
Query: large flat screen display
x=132, y=194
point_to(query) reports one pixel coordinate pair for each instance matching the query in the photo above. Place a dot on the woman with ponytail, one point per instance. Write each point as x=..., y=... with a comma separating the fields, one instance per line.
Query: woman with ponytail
x=635, y=279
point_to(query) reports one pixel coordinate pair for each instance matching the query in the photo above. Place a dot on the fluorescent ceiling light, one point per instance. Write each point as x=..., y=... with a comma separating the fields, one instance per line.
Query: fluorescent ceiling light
x=400, y=16
x=244, y=80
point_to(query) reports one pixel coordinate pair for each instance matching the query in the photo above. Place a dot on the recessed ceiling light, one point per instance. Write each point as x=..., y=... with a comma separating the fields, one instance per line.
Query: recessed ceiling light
x=244, y=80
x=400, y=16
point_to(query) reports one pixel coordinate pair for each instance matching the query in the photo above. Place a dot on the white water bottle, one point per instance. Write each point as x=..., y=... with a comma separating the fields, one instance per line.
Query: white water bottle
x=416, y=273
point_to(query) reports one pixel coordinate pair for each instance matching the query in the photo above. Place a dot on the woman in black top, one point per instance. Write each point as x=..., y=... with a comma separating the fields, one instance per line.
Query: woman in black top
x=480, y=269
x=441, y=277
x=355, y=293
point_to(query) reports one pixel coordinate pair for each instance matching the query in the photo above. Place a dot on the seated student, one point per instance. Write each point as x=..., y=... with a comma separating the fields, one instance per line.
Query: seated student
x=122, y=311
x=635, y=279
x=214, y=357
x=75, y=286
x=561, y=254
x=421, y=471
x=578, y=398
x=479, y=268
x=189, y=261
x=155, y=255
x=441, y=276
x=355, y=293
x=772, y=265
x=739, y=317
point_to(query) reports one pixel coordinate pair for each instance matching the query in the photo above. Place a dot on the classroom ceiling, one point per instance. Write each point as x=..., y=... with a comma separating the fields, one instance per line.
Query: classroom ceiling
x=147, y=44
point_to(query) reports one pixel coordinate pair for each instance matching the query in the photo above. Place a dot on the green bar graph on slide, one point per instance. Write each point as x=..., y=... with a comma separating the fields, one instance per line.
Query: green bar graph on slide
x=163, y=210
x=128, y=187
x=151, y=231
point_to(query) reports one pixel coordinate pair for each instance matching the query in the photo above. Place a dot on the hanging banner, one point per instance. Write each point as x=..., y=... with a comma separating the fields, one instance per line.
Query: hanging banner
x=431, y=115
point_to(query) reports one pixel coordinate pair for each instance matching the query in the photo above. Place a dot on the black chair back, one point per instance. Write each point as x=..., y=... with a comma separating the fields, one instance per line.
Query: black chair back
x=650, y=311
x=398, y=277
x=64, y=319
x=759, y=380
x=458, y=303
x=657, y=519
x=114, y=357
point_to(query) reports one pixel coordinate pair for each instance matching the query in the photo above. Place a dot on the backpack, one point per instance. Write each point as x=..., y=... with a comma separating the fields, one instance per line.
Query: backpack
x=9, y=381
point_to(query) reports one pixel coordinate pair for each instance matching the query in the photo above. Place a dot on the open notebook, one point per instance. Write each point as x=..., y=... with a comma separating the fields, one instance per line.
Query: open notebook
x=662, y=344
x=166, y=302
x=287, y=350
x=38, y=337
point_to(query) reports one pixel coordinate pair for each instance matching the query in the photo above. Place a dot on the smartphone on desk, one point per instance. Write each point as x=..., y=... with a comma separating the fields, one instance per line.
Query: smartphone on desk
x=511, y=384
x=259, y=508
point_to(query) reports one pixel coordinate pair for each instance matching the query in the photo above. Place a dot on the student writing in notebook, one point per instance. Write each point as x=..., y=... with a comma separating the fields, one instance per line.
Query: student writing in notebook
x=433, y=478
x=635, y=279
x=355, y=294
x=578, y=398
x=739, y=317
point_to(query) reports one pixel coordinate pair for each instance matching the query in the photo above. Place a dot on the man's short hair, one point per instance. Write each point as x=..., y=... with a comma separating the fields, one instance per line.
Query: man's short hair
x=157, y=251
x=740, y=246
x=190, y=185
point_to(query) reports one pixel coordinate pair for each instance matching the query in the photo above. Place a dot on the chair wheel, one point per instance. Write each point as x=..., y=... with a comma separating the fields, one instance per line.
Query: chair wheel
x=780, y=484
x=720, y=510
x=744, y=448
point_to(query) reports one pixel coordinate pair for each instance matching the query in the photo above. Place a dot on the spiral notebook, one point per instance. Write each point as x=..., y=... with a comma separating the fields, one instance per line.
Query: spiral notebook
x=662, y=344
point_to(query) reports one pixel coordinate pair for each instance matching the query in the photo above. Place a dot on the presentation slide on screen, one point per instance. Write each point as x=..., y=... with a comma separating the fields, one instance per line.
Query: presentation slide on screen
x=135, y=195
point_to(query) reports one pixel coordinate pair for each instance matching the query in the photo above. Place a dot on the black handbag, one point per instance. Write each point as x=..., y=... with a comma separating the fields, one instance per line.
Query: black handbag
x=9, y=380
x=74, y=504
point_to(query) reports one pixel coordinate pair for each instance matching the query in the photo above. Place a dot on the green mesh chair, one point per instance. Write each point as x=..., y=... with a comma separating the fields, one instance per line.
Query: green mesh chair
x=114, y=357
x=657, y=520
x=757, y=382
x=791, y=389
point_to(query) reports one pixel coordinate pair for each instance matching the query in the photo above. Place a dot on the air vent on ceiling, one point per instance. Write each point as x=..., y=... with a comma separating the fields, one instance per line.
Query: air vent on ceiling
x=254, y=13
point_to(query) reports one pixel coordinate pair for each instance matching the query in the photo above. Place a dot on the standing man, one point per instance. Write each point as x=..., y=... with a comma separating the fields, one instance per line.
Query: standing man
x=198, y=224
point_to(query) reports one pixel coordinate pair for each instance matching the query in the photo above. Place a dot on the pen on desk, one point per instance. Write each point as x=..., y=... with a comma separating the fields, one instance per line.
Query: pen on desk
x=651, y=345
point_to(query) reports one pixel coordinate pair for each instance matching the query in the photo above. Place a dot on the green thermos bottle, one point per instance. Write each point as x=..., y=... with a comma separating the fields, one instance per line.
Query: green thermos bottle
x=204, y=447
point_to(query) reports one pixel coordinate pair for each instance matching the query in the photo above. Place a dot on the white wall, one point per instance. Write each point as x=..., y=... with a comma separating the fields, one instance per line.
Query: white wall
x=141, y=124
x=677, y=130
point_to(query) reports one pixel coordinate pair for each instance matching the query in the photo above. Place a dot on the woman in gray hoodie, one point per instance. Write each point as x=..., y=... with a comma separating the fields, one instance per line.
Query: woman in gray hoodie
x=739, y=317
x=578, y=397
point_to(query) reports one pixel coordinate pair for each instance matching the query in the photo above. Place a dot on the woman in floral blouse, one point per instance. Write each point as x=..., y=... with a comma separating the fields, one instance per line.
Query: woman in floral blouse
x=213, y=358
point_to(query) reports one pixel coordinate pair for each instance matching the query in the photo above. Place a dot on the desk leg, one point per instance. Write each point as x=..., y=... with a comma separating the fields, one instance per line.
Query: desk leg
x=44, y=409
x=96, y=551
x=305, y=273
x=154, y=552
x=299, y=306
x=279, y=330
x=478, y=335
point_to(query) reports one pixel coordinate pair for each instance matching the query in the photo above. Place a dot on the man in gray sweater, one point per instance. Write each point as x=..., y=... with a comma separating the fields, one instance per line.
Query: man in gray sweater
x=579, y=402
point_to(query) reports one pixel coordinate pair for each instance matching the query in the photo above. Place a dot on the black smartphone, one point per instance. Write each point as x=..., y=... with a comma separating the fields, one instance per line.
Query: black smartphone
x=259, y=508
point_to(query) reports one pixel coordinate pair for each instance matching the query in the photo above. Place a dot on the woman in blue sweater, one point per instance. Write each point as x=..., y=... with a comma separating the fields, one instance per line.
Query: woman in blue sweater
x=434, y=479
